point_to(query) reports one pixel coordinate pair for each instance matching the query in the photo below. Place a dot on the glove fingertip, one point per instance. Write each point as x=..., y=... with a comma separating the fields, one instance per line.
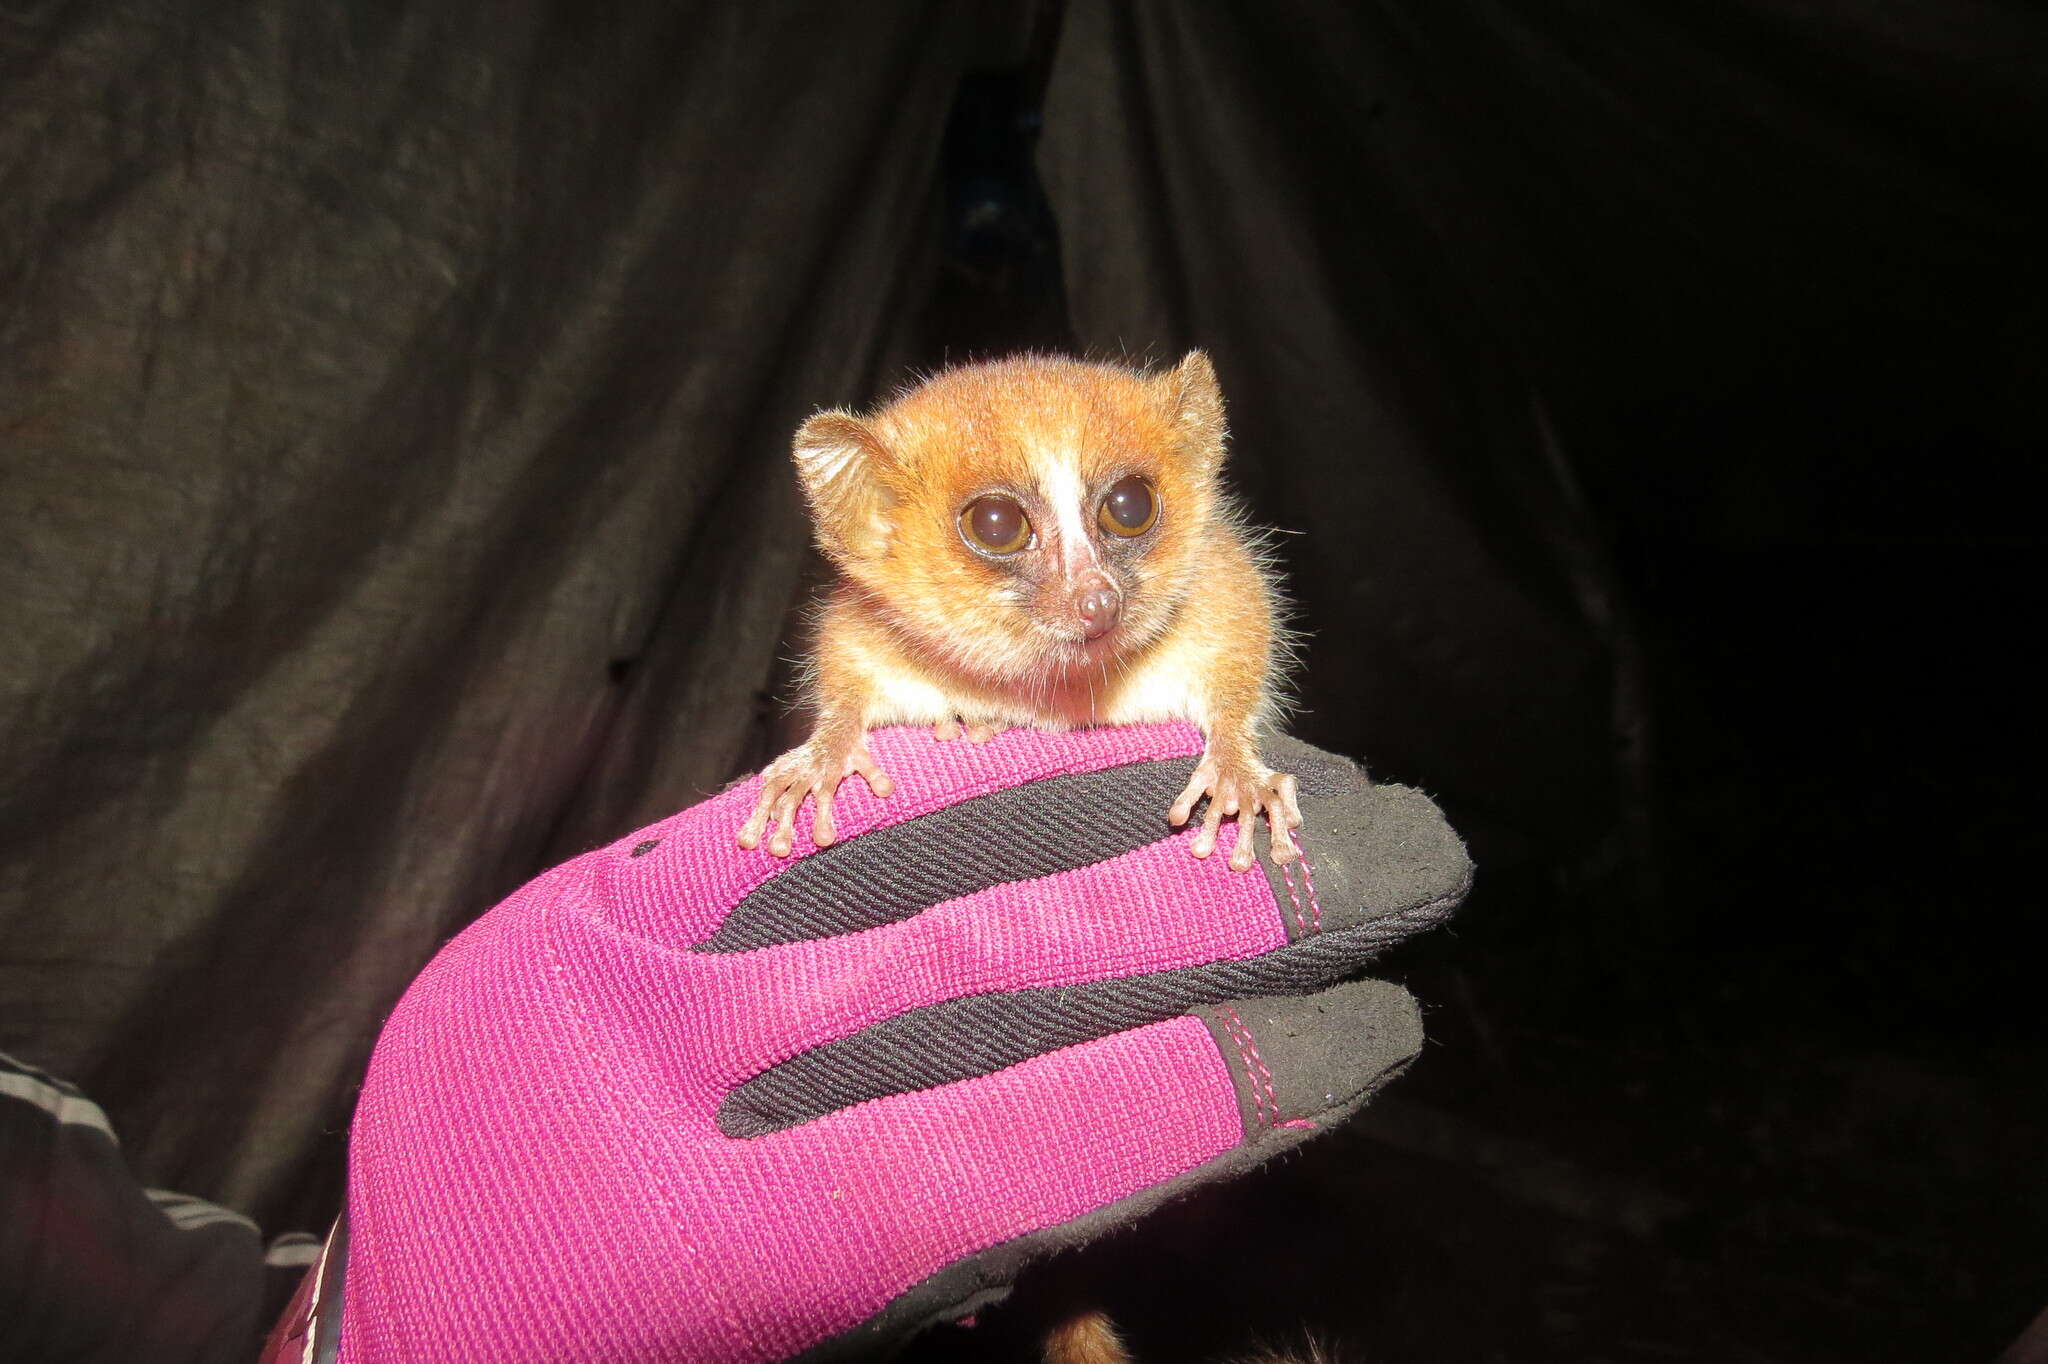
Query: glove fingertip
x=1306, y=1061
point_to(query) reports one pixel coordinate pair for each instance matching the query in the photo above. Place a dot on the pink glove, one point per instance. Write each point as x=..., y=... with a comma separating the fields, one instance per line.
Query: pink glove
x=676, y=1101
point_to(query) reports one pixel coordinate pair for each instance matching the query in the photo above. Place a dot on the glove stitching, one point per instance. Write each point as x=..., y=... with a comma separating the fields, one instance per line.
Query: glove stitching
x=1251, y=1044
x=1308, y=878
x=1249, y=1048
x=1300, y=915
x=1251, y=1081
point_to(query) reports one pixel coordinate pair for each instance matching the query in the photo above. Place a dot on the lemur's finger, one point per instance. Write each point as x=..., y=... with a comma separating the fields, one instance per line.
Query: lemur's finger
x=863, y=762
x=784, y=838
x=757, y=822
x=1212, y=820
x=1287, y=798
x=1197, y=787
x=1242, y=853
x=823, y=832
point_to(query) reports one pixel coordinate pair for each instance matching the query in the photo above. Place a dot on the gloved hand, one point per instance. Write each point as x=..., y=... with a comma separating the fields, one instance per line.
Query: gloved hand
x=677, y=1101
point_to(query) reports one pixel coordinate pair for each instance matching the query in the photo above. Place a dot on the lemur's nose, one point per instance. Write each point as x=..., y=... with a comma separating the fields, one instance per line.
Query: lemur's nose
x=1098, y=604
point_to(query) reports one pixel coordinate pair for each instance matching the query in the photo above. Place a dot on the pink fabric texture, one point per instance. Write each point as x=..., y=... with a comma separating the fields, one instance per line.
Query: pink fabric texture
x=535, y=1168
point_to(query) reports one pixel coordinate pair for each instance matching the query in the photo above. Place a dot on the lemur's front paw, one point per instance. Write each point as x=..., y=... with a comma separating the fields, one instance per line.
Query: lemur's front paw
x=814, y=769
x=1241, y=787
x=977, y=732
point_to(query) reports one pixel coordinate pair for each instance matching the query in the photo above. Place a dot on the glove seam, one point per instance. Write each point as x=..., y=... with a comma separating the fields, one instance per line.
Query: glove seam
x=1257, y=1078
x=1294, y=897
x=1308, y=879
x=604, y=1061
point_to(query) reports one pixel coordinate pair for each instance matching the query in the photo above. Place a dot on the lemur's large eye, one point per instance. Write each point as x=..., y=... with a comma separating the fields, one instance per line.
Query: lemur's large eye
x=996, y=523
x=1129, y=508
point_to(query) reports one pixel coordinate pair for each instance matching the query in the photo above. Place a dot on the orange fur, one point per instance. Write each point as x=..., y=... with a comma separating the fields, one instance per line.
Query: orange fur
x=925, y=628
x=1090, y=1337
x=1085, y=1338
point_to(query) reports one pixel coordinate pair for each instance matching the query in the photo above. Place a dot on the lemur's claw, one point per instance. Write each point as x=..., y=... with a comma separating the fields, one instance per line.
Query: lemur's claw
x=1241, y=789
x=814, y=769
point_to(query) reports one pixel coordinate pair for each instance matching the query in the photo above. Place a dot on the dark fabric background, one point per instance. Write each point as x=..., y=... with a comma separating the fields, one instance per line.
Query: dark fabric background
x=394, y=500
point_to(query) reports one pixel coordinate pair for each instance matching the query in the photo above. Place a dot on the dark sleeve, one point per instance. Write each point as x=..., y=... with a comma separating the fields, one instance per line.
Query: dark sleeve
x=95, y=1267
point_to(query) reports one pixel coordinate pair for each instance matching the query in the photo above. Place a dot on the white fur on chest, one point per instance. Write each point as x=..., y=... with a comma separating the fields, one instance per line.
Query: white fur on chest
x=905, y=699
x=1164, y=687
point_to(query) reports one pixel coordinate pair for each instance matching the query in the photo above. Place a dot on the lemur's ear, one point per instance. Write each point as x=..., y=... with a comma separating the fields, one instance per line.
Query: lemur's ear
x=1190, y=394
x=839, y=460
